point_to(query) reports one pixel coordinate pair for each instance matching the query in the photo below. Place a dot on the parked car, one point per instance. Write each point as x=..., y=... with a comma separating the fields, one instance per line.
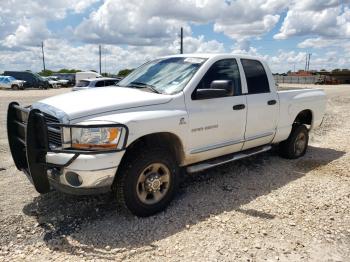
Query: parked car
x=11, y=82
x=52, y=83
x=95, y=82
x=86, y=75
x=174, y=114
x=31, y=79
x=66, y=76
x=60, y=82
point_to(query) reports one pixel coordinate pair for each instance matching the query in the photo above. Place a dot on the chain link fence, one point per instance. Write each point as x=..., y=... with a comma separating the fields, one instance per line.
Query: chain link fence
x=298, y=79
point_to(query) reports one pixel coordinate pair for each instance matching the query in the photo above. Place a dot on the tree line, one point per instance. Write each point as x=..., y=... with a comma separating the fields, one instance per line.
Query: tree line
x=48, y=72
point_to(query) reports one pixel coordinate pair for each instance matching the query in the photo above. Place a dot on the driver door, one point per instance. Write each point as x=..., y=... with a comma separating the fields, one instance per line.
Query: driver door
x=217, y=125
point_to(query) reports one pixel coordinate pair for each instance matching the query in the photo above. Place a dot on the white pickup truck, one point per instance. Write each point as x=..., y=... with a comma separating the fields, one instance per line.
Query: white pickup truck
x=174, y=114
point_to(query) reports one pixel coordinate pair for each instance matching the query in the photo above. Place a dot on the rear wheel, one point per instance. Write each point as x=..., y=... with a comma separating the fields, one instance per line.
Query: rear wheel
x=296, y=144
x=147, y=181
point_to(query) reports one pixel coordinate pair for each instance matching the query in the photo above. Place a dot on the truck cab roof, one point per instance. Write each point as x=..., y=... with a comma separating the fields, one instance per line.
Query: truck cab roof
x=218, y=55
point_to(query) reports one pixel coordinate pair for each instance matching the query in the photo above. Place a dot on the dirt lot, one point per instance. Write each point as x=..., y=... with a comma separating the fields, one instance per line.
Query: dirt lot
x=261, y=208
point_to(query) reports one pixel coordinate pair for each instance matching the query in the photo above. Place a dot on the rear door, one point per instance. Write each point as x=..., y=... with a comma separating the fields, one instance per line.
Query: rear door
x=262, y=105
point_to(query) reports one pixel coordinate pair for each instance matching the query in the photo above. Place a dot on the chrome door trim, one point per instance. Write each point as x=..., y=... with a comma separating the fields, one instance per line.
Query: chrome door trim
x=229, y=143
x=258, y=136
x=216, y=146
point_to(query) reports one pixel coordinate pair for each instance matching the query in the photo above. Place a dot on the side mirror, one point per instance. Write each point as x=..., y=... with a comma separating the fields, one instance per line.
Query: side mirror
x=223, y=85
x=218, y=88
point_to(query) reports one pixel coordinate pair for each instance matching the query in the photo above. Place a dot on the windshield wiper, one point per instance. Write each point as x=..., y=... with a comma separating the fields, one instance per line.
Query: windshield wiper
x=144, y=85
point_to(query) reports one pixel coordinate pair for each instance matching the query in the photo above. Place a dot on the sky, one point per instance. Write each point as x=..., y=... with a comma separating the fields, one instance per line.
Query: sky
x=134, y=31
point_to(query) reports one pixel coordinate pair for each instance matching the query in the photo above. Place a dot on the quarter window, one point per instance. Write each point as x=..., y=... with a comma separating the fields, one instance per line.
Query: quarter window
x=256, y=76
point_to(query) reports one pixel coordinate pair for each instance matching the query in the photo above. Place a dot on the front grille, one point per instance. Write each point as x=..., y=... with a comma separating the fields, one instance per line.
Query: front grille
x=54, y=132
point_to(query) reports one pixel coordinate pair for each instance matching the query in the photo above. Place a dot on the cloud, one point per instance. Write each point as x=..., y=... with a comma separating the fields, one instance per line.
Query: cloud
x=135, y=31
x=28, y=33
x=24, y=23
x=61, y=54
x=153, y=22
x=245, y=30
x=323, y=18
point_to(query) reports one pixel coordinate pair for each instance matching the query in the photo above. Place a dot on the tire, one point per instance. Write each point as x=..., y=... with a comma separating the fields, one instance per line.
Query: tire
x=296, y=144
x=15, y=87
x=142, y=171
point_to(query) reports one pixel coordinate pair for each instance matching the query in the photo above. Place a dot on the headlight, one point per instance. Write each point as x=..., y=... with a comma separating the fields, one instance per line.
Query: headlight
x=94, y=138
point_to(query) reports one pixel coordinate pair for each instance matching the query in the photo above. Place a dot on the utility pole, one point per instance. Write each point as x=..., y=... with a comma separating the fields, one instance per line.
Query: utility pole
x=42, y=50
x=99, y=48
x=306, y=62
x=182, y=41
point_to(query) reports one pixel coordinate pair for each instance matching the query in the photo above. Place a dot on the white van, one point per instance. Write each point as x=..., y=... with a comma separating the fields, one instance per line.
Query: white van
x=85, y=75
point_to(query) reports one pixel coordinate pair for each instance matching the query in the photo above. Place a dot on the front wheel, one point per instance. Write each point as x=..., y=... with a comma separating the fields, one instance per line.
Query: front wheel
x=296, y=144
x=147, y=181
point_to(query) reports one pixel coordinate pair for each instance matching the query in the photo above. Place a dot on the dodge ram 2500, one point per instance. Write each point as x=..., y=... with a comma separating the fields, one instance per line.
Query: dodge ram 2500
x=173, y=114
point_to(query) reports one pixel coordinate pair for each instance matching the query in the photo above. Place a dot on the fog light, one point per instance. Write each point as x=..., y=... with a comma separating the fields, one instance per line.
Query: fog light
x=73, y=179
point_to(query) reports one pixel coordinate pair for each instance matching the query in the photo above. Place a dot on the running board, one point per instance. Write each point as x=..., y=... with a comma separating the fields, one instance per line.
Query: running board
x=226, y=159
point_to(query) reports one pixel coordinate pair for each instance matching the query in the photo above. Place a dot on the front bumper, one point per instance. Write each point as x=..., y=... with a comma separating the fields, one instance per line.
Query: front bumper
x=69, y=170
x=82, y=182
x=87, y=174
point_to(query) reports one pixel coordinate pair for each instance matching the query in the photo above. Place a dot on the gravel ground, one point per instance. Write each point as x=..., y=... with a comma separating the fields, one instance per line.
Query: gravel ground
x=261, y=208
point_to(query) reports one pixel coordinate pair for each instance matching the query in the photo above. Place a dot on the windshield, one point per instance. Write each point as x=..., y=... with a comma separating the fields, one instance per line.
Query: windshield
x=166, y=76
x=83, y=83
x=39, y=77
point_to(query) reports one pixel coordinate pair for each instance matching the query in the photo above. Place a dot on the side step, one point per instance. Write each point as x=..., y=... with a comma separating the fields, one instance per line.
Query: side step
x=226, y=159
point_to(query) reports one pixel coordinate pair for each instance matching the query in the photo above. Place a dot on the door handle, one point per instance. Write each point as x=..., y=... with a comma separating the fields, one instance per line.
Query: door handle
x=238, y=107
x=271, y=102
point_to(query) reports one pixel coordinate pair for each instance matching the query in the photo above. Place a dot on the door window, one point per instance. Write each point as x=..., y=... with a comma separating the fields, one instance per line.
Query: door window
x=256, y=76
x=100, y=83
x=110, y=82
x=226, y=69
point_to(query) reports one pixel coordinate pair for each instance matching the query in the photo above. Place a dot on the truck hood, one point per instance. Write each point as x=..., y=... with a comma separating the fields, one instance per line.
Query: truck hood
x=97, y=101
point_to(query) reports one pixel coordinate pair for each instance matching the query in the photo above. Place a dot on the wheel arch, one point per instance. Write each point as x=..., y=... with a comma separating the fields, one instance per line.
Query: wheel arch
x=159, y=139
x=304, y=117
